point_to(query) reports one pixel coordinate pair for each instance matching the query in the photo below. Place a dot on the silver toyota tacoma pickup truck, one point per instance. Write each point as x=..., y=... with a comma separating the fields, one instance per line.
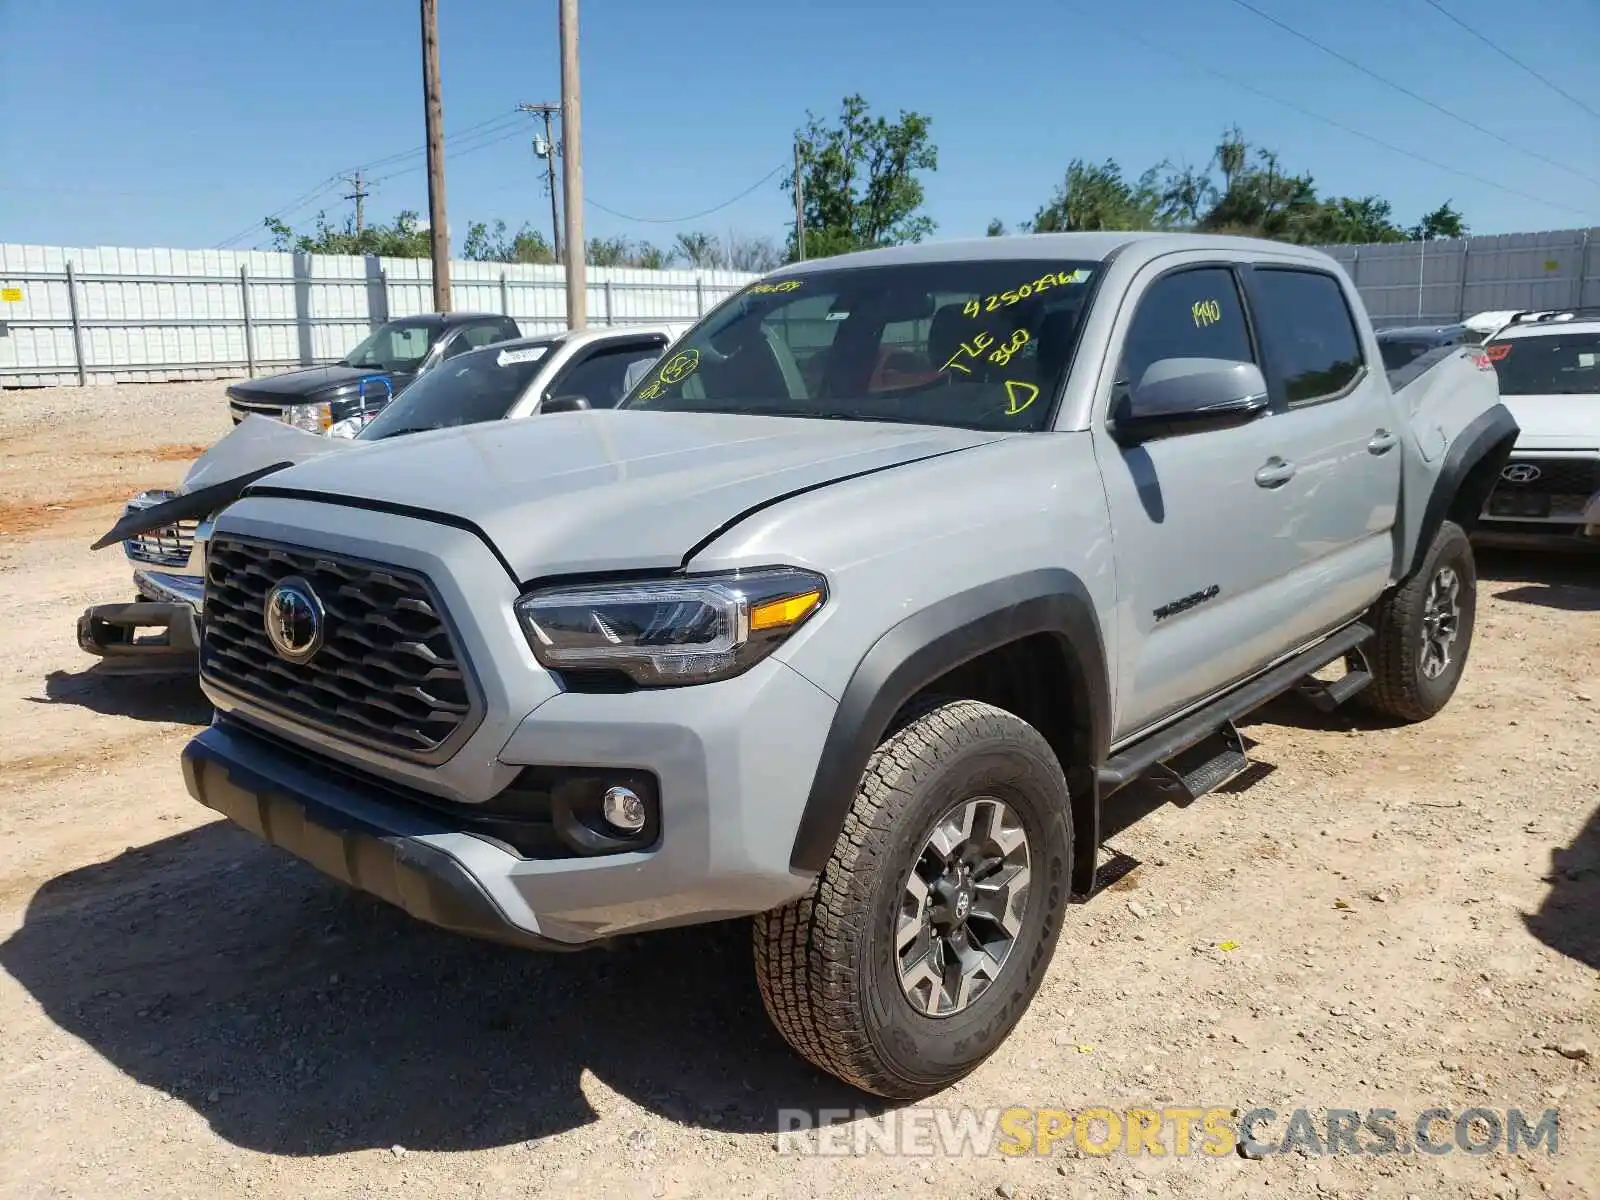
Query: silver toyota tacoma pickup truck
x=852, y=617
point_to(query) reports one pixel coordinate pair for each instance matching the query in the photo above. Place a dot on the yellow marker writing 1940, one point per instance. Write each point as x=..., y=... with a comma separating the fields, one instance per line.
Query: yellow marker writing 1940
x=1206, y=312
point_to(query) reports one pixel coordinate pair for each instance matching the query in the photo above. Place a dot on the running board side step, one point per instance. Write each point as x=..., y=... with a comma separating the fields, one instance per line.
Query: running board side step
x=1325, y=697
x=1222, y=755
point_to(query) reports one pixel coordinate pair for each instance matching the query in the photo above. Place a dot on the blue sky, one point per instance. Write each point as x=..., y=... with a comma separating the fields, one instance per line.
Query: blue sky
x=182, y=123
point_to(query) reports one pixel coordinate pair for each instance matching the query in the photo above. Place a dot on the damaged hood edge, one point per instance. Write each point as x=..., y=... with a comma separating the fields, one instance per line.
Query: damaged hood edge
x=256, y=447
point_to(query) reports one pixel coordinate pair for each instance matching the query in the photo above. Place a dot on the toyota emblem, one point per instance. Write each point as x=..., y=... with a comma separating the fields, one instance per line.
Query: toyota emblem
x=294, y=621
x=1521, y=473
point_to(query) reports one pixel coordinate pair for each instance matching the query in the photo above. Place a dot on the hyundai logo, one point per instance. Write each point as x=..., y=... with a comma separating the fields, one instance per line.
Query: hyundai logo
x=1521, y=473
x=293, y=618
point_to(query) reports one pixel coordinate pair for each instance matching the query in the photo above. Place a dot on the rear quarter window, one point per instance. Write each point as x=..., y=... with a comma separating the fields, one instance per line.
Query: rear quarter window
x=1307, y=333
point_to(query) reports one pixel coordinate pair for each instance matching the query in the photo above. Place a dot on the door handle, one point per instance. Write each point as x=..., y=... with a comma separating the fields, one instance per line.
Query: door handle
x=1274, y=473
x=1382, y=442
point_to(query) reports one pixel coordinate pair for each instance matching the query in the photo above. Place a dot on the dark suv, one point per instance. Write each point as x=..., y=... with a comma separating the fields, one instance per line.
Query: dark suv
x=364, y=380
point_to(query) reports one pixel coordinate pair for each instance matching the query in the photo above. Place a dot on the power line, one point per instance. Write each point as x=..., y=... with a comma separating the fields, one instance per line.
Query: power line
x=1198, y=65
x=1509, y=57
x=457, y=150
x=300, y=201
x=499, y=121
x=1405, y=91
x=692, y=216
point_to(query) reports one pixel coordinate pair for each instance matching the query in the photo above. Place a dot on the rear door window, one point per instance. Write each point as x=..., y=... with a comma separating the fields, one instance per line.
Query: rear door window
x=1308, y=334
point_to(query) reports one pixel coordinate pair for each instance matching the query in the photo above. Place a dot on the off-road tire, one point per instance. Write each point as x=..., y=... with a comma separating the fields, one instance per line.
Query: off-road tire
x=826, y=963
x=1399, y=689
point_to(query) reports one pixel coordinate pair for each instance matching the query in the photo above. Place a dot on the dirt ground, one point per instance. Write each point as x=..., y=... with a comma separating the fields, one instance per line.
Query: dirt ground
x=1373, y=918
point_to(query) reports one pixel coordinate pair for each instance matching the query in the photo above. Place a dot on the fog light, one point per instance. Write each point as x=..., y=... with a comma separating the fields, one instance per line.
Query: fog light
x=623, y=809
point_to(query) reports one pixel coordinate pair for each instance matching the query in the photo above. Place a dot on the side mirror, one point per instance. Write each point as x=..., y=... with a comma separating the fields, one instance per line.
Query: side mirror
x=1189, y=395
x=555, y=404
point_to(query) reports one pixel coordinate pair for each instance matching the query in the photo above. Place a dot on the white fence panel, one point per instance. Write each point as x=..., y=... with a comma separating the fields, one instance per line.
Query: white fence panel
x=116, y=315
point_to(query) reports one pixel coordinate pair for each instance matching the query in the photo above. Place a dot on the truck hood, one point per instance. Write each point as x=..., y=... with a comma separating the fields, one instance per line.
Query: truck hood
x=254, y=443
x=608, y=490
x=1562, y=422
x=321, y=383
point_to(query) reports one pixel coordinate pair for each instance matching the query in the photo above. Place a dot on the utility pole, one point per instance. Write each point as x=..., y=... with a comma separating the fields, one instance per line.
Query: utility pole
x=799, y=203
x=572, y=169
x=438, y=225
x=549, y=156
x=358, y=195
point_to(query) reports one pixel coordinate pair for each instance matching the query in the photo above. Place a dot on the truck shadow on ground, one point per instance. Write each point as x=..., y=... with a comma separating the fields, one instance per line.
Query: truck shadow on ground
x=1569, y=918
x=167, y=698
x=1564, y=581
x=300, y=1018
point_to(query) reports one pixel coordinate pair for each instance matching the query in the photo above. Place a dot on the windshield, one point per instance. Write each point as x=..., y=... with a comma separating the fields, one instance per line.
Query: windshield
x=981, y=344
x=397, y=346
x=1547, y=364
x=480, y=385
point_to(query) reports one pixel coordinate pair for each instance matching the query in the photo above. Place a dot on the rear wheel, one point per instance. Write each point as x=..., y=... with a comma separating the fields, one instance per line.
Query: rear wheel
x=1424, y=631
x=930, y=928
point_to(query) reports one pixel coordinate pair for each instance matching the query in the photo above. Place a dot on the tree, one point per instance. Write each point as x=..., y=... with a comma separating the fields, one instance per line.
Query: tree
x=528, y=246
x=1096, y=196
x=997, y=228
x=403, y=239
x=699, y=249
x=860, y=180
x=1243, y=189
x=620, y=252
x=1442, y=222
x=752, y=253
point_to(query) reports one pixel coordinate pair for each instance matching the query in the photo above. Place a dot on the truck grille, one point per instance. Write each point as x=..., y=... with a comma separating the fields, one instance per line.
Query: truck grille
x=388, y=674
x=1558, y=485
x=240, y=409
x=169, y=546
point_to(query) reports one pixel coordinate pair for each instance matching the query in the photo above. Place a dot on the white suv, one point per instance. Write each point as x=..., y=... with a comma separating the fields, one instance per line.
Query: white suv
x=1549, y=491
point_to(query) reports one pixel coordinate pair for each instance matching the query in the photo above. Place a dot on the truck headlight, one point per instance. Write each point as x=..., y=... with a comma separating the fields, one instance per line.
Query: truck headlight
x=670, y=631
x=313, y=418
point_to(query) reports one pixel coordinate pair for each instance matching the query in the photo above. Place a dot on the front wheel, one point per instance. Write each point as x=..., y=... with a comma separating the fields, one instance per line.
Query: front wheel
x=930, y=927
x=1424, y=631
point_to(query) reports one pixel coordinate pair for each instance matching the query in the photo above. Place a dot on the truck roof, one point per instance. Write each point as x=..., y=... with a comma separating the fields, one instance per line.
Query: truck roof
x=1084, y=246
x=1550, y=322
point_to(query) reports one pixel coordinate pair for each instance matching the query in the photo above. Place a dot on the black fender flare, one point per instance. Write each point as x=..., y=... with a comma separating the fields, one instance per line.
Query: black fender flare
x=935, y=640
x=1467, y=475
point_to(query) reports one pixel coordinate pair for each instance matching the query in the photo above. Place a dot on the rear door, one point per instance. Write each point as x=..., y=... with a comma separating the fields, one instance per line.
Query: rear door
x=1337, y=436
x=1200, y=543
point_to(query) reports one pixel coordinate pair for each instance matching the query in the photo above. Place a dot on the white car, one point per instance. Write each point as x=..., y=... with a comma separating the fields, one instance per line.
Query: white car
x=164, y=533
x=1548, y=493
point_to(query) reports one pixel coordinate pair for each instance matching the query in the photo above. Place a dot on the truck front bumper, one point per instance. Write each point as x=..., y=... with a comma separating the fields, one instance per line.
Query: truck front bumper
x=349, y=831
x=727, y=765
x=142, y=637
